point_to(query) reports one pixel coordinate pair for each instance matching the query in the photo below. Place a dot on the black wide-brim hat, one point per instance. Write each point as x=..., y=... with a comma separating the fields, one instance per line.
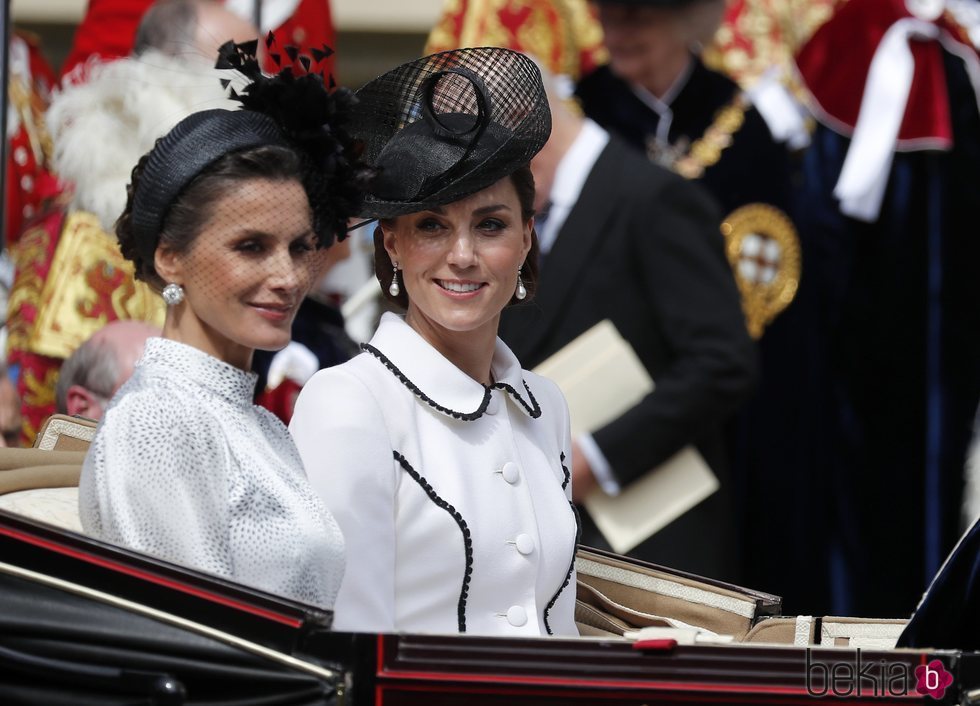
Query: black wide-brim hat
x=448, y=125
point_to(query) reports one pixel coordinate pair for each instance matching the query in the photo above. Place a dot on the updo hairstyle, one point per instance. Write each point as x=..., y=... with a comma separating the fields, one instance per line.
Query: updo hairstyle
x=188, y=214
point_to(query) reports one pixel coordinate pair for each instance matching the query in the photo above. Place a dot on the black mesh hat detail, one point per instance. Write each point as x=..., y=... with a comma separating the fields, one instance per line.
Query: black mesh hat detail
x=183, y=153
x=449, y=125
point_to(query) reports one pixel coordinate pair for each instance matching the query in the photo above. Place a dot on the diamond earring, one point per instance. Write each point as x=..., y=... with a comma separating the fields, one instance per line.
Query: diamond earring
x=393, y=288
x=173, y=294
x=521, y=290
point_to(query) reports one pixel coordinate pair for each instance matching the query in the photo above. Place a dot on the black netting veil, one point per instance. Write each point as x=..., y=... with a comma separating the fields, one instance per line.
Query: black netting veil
x=448, y=125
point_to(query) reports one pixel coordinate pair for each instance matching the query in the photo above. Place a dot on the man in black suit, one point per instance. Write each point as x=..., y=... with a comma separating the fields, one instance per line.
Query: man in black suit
x=629, y=241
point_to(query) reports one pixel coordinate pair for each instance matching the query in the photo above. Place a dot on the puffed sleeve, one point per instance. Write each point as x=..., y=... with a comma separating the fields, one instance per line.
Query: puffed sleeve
x=341, y=435
x=156, y=479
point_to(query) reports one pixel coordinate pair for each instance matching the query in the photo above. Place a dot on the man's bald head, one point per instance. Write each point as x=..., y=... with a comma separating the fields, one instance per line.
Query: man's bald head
x=126, y=340
x=99, y=367
x=186, y=28
x=216, y=25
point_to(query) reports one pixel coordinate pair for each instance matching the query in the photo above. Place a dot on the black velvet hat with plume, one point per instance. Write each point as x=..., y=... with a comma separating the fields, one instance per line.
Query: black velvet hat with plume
x=291, y=109
x=448, y=125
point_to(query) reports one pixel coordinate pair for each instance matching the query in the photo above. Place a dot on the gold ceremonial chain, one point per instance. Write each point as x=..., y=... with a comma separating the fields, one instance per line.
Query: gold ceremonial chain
x=707, y=150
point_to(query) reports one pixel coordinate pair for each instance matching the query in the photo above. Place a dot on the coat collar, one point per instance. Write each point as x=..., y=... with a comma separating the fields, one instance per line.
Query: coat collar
x=440, y=384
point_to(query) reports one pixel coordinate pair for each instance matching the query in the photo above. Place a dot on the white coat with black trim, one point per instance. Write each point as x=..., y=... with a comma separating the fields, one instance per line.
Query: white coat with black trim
x=453, y=497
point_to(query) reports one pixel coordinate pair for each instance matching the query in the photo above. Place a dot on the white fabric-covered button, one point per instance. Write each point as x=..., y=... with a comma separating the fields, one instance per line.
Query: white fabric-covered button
x=510, y=472
x=525, y=545
x=516, y=616
x=27, y=183
x=20, y=155
x=494, y=405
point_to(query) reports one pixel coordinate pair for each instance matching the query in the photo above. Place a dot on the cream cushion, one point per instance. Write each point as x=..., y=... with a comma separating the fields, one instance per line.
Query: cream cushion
x=56, y=506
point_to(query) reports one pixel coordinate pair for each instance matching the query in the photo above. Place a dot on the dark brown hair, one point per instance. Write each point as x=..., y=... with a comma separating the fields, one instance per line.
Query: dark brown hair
x=523, y=181
x=189, y=212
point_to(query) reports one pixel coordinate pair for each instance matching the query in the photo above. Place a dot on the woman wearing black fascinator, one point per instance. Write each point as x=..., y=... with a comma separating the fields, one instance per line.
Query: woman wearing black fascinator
x=444, y=463
x=224, y=218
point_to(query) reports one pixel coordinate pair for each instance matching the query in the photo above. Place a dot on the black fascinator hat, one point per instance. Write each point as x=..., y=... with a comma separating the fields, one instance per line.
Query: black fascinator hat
x=448, y=125
x=181, y=154
x=294, y=108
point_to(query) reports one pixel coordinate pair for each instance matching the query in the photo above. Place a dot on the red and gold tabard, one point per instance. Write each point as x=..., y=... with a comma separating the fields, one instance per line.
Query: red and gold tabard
x=562, y=34
x=565, y=34
x=71, y=280
x=757, y=35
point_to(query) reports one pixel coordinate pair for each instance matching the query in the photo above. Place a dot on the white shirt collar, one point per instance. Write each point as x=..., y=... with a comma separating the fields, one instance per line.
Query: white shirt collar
x=572, y=171
x=577, y=163
x=436, y=381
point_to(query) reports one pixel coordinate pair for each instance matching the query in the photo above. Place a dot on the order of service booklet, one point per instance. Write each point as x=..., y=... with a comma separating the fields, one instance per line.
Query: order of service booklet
x=602, y=377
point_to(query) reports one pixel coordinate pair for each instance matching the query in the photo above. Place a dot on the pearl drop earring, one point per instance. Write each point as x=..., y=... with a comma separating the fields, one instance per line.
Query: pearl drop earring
x=393, y=288
x=521, y=290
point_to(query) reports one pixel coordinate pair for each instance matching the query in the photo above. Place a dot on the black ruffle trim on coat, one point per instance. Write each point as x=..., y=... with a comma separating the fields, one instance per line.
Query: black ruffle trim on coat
x=571, y=566
x=533, y=409
x=467, y=540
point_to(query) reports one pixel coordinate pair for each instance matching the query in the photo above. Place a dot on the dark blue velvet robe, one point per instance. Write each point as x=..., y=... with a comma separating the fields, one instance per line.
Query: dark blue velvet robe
x=896, y=330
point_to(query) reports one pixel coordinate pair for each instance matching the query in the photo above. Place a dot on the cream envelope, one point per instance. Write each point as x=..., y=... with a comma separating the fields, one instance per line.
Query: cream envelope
x=602, y=377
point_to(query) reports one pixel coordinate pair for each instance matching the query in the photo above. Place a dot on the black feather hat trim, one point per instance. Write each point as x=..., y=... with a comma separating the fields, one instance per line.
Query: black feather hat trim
x=290, y=109
x=314, y=118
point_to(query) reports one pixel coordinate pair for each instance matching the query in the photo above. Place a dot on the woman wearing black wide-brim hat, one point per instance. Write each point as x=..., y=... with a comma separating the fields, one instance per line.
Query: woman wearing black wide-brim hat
x=445, y=463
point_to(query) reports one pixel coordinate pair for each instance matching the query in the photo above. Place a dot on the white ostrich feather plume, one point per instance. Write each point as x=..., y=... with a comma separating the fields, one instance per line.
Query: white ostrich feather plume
x=101, y=128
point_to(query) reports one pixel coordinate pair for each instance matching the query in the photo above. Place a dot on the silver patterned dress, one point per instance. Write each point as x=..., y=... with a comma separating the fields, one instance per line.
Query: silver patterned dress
x=186, y=468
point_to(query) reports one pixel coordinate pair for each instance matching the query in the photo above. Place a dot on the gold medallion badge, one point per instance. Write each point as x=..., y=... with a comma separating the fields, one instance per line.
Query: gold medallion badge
x=764, y=251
